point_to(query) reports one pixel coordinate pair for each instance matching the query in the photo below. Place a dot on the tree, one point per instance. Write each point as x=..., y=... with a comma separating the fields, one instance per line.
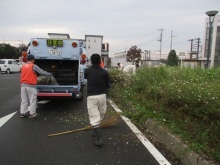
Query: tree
x=10, y=52
x=172, y=59
x=22, y=47
x=7, y=51
x=134, y=55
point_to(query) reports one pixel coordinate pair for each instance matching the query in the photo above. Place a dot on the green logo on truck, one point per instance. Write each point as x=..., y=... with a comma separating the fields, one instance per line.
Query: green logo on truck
x=57, y=43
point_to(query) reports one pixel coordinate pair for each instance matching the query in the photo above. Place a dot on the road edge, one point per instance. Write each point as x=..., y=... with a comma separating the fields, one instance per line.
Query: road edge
x=147, y=144
x=175, y=144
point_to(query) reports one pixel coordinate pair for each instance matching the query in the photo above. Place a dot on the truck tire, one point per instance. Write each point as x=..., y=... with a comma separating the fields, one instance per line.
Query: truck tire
x=81, y=99
x=81, y=90
x=8, y=71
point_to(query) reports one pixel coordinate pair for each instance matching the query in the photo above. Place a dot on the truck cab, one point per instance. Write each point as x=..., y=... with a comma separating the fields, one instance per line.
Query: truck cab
x=65, y=58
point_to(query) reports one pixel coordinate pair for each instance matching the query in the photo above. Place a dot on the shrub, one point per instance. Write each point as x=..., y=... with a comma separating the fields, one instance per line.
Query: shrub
x=186, y=100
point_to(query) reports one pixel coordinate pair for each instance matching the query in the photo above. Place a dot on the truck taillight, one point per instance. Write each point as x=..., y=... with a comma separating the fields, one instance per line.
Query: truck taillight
x=83, y=59
x=24, y=56
x=35, y=43
x=74, y=44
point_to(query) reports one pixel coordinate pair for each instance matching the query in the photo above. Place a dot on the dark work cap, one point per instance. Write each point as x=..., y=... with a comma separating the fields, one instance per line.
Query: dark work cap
x=30, y=57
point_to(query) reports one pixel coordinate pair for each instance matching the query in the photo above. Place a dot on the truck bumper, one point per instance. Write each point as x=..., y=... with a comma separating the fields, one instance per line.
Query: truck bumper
x=54, y=94
x=45, y=91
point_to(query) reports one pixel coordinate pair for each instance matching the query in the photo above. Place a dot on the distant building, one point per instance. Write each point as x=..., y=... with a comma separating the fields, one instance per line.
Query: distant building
x=147, y=58
x=215, y=42
x=214, y=59
x=120, y=55
x=105, y=53
x=119, y=58
x=94, y=44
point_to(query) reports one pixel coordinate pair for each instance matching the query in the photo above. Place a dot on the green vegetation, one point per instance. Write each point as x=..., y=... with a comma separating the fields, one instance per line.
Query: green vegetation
x=187, y=101
x=10, y=52
x=172, y=59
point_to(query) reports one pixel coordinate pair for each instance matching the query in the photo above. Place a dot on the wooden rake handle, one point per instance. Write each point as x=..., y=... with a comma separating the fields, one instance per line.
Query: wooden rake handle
x=72, y=131
x=107, y=123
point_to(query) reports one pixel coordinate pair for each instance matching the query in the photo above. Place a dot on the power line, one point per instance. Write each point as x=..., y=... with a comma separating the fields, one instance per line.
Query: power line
x=154, y=39
x=137, y=38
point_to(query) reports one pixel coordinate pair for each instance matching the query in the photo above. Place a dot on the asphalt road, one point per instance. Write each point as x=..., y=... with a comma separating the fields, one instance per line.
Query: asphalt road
x=24, y=141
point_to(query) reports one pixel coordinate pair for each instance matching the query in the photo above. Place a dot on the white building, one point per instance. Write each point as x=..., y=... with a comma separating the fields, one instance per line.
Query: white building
x=94, y=44
x=214, y=57
x=147, y=58
x=119, y=58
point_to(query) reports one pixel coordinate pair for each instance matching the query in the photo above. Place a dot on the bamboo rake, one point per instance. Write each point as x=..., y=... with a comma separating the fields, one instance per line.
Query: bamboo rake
x=106, y=123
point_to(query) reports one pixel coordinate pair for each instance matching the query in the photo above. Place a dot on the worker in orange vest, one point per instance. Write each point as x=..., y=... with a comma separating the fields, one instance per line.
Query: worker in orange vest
x=102, y=64
x=29, y=73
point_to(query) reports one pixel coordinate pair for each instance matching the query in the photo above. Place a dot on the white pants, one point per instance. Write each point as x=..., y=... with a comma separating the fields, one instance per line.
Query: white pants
x=28, y=99
x=96, y=108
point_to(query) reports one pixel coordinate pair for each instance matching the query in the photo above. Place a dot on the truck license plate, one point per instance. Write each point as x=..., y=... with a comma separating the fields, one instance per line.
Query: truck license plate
x=54, y=52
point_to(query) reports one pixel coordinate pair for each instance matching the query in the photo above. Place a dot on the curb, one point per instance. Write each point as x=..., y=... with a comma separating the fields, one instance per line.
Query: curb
x=176, y=145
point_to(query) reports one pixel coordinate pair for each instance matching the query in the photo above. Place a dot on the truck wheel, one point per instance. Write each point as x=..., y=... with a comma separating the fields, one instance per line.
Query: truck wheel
x=81, y=90
x=8, y=71
x=81, y=99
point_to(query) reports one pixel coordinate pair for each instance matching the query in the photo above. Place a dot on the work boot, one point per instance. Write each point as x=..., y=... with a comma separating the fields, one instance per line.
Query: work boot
x=98, y=140
x=33, y=115
x=93, y=133
x=25, y=114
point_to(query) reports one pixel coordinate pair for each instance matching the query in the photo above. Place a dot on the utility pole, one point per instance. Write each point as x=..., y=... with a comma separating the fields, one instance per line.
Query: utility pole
x=171, y=39
x=161, y=36
x=195, y=45
x=146, y=54
x=125, y=53
x=201, y=49
x=198, y=42
x=191, y=40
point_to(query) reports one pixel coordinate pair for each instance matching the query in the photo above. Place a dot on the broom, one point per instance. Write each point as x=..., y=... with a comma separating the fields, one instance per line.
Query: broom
x=106, y=123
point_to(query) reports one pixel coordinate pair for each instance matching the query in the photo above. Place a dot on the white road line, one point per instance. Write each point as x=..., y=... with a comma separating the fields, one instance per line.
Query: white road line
x=114, y=106
x=156, y=154
x=43, y=101
x=3, y=120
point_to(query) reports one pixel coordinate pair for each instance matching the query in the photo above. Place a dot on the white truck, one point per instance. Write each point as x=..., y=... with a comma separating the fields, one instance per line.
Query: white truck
x=65, y=58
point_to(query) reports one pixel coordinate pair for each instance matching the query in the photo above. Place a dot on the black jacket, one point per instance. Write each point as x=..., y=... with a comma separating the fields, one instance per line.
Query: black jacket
x=97, y=80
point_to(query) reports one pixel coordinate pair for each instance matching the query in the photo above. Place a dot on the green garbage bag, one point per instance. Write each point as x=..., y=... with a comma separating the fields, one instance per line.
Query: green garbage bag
x=46, y=80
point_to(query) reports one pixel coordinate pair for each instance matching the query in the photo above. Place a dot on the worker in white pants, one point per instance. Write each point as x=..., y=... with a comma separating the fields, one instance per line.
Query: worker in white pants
x=96, y=105
x=98, y=82
x=29, y=99
x=29, y=73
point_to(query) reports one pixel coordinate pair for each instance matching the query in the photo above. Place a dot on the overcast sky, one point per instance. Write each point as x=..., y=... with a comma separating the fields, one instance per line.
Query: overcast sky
x=122, y=23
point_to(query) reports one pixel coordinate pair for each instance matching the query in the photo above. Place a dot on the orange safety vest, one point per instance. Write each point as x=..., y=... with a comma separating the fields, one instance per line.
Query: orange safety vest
x=27, y=74
x=102, y=64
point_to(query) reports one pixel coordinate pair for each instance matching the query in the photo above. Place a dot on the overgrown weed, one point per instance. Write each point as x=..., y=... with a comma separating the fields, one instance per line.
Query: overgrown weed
x=186, y=100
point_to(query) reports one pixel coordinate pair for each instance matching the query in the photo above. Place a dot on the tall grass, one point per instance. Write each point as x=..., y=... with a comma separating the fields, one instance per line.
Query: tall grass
x=186, y=100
